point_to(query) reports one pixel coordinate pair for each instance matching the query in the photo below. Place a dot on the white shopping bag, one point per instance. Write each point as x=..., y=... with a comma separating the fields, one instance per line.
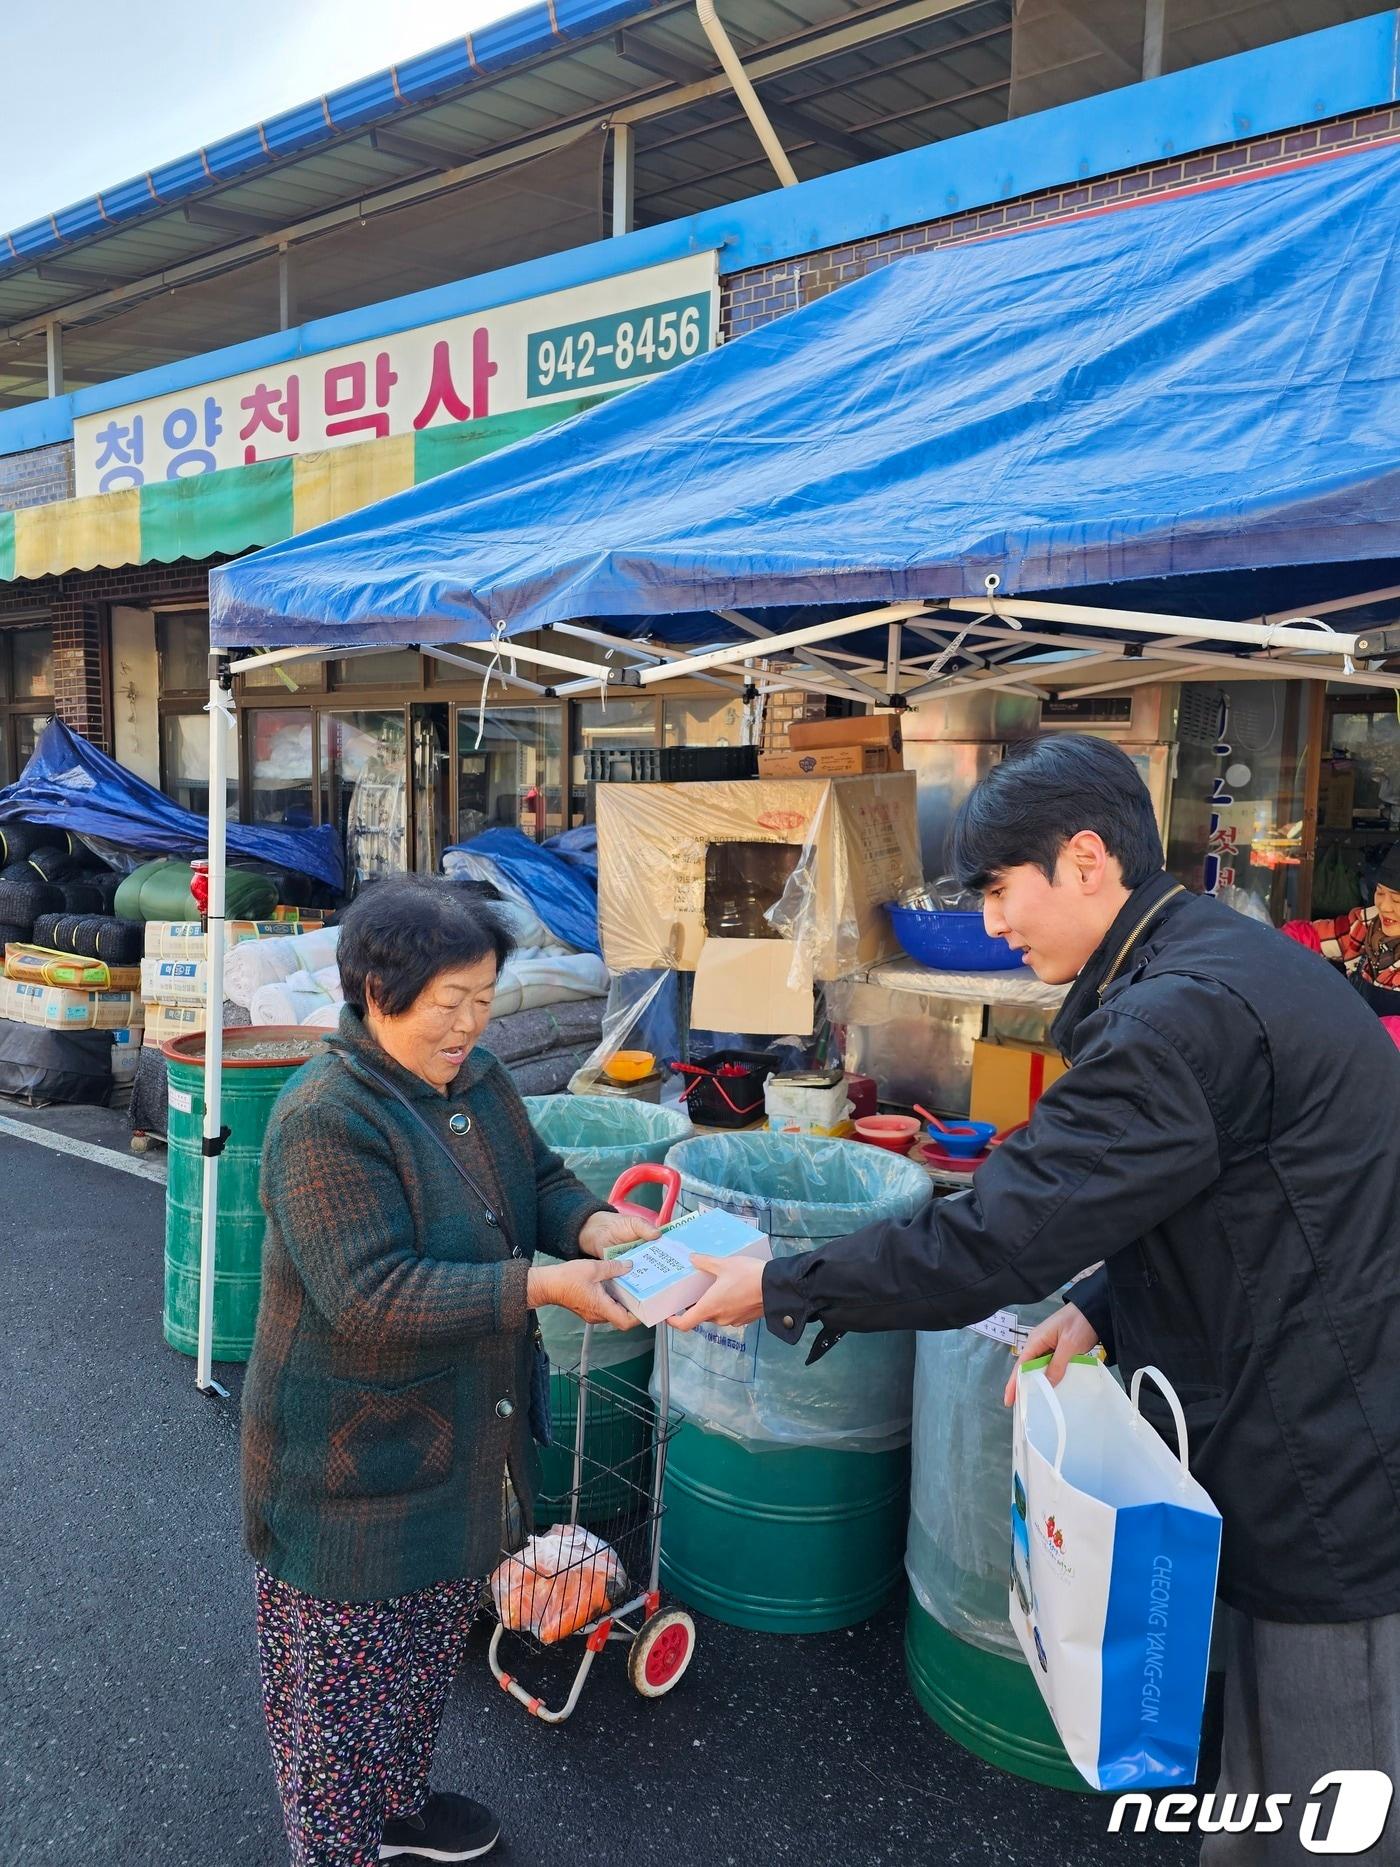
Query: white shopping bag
x=1114, y=1554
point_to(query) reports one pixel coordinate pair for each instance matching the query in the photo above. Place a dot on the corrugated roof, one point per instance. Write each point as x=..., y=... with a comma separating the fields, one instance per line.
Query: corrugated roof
x=556, y=63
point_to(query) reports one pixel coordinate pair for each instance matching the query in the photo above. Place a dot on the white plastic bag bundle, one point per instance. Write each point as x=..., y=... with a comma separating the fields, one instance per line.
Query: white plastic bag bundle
x=559, y=1583
x=263, y=962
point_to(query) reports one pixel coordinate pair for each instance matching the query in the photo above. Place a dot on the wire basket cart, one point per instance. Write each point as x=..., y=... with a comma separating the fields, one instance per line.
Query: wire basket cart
x=595, y=1575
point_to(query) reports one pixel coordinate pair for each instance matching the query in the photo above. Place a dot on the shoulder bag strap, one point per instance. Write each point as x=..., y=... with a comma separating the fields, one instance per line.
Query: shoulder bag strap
x=492, y=1216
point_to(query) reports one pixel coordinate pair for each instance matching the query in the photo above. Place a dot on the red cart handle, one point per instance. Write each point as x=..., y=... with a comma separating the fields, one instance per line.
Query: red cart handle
x=647, y=1173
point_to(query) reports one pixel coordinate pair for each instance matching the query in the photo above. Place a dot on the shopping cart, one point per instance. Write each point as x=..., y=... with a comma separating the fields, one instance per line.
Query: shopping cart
x=595, y=1576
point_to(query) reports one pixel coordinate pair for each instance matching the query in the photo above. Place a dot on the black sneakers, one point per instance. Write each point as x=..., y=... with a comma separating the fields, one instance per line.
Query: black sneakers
x=449, y=1828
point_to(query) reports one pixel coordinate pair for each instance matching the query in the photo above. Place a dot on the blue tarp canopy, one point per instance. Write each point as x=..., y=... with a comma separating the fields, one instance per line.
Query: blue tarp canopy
x=1206, y=383
x=70, y=785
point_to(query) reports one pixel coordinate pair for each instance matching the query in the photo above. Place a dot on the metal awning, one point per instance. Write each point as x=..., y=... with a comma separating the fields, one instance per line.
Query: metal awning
x=910, y=481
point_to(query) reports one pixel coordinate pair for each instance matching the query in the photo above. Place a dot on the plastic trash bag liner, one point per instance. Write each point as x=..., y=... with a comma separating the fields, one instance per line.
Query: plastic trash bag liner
x=746, y=1382
x=959, y=1553
x=598, y=1138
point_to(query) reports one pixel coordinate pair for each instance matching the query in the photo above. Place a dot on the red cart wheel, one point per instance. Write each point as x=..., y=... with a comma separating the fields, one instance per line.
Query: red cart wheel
x=661, y=1652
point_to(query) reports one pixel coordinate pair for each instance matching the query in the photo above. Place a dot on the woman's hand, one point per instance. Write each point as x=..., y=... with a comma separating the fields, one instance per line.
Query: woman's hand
x=1062, y=1336
x=606, y=1229
x=582, y=1287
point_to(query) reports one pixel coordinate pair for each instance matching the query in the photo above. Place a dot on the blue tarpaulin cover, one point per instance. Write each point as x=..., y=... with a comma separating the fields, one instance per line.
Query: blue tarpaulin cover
x=1194, y=384
x=69, y=784
x=563, y=895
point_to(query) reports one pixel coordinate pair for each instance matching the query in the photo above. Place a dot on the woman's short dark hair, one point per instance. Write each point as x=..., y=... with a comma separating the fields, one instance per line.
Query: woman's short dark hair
x=400, y=932
x=1044, y=792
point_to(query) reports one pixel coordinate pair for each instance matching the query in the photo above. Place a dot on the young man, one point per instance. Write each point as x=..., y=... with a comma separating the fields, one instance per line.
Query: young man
x=1206, y=1146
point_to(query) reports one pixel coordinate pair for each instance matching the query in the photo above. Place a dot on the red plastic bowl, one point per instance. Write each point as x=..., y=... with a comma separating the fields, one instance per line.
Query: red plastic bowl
x=895, y=1133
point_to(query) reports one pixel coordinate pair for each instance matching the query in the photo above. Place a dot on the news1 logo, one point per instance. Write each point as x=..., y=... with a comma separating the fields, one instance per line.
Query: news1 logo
x=1345, y=1813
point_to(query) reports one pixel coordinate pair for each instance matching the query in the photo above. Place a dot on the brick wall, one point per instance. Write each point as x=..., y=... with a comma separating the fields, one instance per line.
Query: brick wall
x=76, y=606
x=783, y=707
x=36, y=478
x=755, y=298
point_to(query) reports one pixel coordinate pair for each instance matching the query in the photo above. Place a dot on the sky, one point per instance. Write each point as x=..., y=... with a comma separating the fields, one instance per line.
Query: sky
x=123, y=87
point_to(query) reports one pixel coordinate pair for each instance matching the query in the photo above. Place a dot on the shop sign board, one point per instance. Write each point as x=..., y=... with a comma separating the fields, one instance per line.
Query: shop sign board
x=590, y=338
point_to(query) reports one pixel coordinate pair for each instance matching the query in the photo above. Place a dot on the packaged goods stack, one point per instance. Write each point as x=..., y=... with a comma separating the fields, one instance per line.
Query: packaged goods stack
x=854, y=748
x=68, y=979
x=174, y=986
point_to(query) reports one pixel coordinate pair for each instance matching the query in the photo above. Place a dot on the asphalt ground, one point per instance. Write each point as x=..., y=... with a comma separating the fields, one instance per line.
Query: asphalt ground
x=130, y=1721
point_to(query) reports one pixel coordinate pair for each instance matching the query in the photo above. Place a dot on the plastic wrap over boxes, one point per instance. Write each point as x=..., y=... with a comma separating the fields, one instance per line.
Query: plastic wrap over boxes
x=686, y=867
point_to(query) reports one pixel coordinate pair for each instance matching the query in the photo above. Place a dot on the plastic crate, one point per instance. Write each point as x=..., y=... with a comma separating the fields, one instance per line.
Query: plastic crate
x=669, y=764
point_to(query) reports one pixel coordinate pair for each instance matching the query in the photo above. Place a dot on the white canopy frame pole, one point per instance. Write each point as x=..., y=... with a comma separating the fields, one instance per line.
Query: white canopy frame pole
x=484, y=668
x=221, y=726
x=1141, y=622
x=783, y=643
x=821, y=665
x=643, y=650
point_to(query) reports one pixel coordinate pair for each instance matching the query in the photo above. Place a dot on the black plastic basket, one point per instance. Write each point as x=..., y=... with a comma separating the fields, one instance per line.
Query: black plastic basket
x=669, y=764
x=732, y=1100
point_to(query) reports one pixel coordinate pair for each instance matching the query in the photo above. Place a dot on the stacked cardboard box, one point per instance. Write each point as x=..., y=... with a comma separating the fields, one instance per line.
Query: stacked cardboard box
x=174, y=973
x=854, y=748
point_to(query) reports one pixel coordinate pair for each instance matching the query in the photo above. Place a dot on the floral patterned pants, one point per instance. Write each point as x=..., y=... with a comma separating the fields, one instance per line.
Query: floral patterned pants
x=353, y=1693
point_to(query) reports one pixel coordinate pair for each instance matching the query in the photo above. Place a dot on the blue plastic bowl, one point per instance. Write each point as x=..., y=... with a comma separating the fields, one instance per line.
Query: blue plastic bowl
x=951, y=942
x=964, y=1146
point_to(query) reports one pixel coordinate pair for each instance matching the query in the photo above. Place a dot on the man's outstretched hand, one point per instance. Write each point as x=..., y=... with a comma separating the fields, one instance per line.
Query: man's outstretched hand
x=733, y=1299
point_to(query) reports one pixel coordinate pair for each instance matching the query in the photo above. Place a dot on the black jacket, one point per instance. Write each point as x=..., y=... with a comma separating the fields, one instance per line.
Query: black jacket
x=1228, y=1142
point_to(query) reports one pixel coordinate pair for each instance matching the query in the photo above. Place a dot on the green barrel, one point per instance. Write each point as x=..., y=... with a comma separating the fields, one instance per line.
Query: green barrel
x=987, y=1701
x=787, y=1487
x=598, y=1138
x=962, y=1657
x=258, y=1061
x=793, y=1542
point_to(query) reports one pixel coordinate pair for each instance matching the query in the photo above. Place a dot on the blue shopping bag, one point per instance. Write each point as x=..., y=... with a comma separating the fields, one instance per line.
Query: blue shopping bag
x=1115, y=1550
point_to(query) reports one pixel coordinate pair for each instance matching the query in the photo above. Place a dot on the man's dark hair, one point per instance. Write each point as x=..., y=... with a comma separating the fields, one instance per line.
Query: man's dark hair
x=399, y=933
x=1046, y=791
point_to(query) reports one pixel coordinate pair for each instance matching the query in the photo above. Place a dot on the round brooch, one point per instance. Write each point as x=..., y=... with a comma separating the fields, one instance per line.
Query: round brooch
x=460, y=1124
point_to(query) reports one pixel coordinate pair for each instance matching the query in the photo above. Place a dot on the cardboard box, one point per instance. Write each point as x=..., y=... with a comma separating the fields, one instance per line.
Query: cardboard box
x=56, y=1008
x=663, y=1281
x=829, y=762
x=166, y=1021
x=1337, y=803
x=1009, y=1079
x=872, y=729
x=174, y=981
x=859, y=844
x=186, y=939
x=743, y=985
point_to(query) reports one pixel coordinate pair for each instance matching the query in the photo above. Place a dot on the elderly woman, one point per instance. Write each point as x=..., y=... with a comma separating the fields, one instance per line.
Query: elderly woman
x=390, y=1389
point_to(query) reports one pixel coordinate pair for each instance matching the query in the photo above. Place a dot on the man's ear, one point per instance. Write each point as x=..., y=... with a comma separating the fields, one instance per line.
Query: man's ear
x=1090, y=862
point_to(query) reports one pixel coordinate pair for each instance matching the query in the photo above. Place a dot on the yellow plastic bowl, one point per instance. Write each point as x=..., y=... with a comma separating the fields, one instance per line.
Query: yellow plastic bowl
x=629, y=1066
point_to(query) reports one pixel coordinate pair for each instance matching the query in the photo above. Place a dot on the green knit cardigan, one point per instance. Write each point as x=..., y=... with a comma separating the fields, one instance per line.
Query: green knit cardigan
x=388, y=1389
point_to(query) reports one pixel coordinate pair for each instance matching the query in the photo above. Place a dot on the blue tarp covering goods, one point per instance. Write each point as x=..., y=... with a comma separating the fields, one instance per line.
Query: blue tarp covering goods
x=1195, y=384
x=70, y=785
x=564, y=895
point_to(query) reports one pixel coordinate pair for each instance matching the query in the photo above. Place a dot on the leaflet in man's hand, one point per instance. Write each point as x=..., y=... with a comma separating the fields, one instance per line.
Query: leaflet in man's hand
x=663, y=1281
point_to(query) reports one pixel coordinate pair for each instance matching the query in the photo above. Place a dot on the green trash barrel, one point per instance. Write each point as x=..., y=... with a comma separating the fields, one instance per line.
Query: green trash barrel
x=787, y=1487
x=258, y=1062
x=961, y=1654
x=598, y=1138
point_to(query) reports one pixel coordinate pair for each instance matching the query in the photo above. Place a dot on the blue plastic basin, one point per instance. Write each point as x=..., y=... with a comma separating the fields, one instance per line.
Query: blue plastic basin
x=949, y=941
x=963, y=1139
